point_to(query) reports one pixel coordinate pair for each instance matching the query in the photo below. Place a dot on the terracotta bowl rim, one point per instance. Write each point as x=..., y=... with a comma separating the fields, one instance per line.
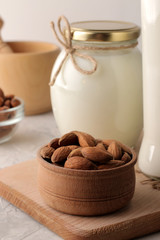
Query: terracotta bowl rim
x=78, y=172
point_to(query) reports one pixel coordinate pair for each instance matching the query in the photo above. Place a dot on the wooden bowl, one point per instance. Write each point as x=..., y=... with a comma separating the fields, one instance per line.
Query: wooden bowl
x=86, y=192
x=26, y=73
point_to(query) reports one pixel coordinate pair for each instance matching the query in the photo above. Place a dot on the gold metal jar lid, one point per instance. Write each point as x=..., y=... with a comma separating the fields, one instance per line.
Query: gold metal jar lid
x=104, y=31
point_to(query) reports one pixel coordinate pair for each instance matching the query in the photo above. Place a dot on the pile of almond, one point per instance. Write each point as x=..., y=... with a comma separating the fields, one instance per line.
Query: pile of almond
x=79, y=150
x=7, y=101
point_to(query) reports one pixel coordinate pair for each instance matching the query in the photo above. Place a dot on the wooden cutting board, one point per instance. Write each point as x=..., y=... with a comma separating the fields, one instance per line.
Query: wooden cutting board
x=142, y=216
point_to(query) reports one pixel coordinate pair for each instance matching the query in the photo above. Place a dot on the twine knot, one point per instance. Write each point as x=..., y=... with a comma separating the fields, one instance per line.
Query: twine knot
x=69, y=49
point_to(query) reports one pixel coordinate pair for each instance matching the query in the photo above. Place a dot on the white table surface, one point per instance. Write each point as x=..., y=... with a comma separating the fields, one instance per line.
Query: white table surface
x=32, y=132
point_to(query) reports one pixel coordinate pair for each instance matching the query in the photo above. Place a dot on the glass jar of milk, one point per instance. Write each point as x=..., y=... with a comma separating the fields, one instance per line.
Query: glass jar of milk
x=108, y=102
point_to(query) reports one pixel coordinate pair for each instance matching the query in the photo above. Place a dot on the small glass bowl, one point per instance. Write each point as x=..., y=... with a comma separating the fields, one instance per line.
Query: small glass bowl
x=9, y=120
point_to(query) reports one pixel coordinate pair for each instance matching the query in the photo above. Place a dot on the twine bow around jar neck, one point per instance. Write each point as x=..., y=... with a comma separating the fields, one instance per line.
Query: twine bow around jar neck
x=71, y=50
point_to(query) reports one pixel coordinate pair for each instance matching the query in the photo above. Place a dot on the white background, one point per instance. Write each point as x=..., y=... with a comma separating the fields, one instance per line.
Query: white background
x=30, y=19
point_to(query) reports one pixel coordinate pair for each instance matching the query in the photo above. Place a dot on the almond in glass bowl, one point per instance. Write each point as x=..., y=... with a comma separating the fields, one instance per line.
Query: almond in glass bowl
x=81, y=175
x=11, y=113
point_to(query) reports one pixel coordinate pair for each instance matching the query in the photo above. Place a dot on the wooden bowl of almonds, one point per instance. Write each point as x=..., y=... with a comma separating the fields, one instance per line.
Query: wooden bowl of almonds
x=81, y=175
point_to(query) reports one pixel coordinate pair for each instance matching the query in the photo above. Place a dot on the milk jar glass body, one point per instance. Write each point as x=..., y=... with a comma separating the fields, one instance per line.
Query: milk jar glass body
x=108, y=102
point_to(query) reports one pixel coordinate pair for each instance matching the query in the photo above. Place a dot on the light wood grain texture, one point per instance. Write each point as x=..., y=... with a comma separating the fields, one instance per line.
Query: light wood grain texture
x=142, y=216
x=26, y=73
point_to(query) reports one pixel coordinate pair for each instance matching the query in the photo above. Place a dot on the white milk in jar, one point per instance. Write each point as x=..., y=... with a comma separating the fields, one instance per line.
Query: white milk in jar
x=149, y=156
x=108, y=102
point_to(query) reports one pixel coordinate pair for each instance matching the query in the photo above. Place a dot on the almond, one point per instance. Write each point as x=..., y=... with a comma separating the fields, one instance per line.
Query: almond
x=85, y=140
x=126, y=157
x=125, y=148
x=7, y=103
x=101, y=146
x=96, y=154
x=54, y=143
x=79, y=163
x=72, y=147
x=107, y=142
x=76, y=152
x=111, y=164
x=60, y=154
x=46, y=152
x=68, y=139
x=115, y=149
x=15, y=102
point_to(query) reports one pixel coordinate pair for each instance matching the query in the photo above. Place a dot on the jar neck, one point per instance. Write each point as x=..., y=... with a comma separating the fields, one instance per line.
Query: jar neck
x=105, y=45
